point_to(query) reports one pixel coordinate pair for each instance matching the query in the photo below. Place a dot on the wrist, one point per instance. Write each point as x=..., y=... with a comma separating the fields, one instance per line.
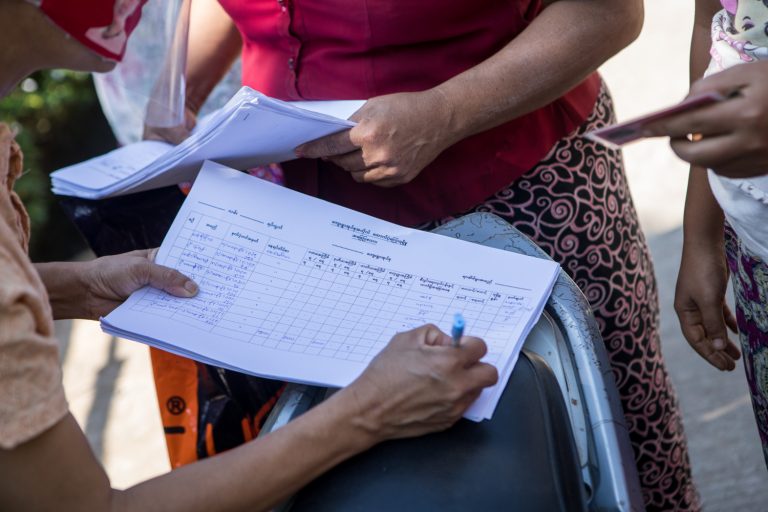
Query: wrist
x=195, y=97
x=355, y=417
x=702, y=245
x=703, y=219
x=703, y=231
x=454, y=123
x=66, y=287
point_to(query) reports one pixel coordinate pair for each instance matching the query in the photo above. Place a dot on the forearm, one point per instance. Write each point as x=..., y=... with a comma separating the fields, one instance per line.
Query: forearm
x=703, y=218
x=67, y=292
x=277, y=466
x=214, y=44
x=253, y=477
x=701, y=39
x=562, y=46
x=418, y=384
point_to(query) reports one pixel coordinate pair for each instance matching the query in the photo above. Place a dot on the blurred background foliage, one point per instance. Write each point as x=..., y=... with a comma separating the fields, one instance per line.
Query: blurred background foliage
x=58, y=122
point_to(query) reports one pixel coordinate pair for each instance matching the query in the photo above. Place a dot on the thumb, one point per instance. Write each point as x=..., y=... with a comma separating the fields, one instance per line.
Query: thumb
x=167, y=279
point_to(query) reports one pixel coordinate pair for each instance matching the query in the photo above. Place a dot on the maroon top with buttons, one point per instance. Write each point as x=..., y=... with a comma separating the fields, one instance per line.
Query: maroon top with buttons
x=356, y=49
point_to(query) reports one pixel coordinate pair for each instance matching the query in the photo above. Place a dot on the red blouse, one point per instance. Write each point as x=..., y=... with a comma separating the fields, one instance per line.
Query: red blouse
x=357, y=49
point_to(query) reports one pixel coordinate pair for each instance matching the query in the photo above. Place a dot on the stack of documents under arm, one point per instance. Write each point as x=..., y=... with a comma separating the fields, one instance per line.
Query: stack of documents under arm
x=298, y=289
x=251, y=129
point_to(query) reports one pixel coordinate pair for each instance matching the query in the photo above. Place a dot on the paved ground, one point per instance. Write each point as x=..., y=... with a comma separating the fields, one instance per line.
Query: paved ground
x=724, y=445
x=108, y=381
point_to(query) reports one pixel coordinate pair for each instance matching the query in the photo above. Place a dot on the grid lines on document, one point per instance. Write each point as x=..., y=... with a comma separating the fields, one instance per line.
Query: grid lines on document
x=261, y=290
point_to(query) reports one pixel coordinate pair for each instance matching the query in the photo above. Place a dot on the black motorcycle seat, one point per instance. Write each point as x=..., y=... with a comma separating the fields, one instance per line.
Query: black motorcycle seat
x=524, y=459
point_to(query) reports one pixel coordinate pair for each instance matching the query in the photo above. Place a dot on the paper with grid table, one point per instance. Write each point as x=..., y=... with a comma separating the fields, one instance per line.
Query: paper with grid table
x=299, y=289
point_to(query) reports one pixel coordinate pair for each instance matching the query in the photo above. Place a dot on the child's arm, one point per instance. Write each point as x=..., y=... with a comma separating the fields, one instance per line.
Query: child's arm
x=214, y=45
x=703, y=277
x=702, y=280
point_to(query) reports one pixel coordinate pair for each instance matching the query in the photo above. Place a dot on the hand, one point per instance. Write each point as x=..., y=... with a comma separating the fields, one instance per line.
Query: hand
x=733, y=133
x=396, y=137
x=110, y=280
x=700, y=305
x=172, y=134
x=418, y=384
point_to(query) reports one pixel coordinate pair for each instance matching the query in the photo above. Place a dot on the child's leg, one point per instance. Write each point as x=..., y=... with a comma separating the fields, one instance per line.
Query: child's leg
x=749, y=276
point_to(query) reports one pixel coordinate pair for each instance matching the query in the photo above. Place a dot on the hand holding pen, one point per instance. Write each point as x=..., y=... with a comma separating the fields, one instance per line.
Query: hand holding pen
x=457, y=331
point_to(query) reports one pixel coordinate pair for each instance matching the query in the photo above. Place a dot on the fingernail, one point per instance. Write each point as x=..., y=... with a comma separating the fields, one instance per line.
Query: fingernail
x=718, y=343
x=191, y=287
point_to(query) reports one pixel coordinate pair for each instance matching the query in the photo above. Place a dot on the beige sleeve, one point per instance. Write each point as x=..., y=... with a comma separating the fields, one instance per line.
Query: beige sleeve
x=31, y=392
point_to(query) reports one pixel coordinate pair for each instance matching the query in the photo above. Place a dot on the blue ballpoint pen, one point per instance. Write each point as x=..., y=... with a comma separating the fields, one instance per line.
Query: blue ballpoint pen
x=457, y=331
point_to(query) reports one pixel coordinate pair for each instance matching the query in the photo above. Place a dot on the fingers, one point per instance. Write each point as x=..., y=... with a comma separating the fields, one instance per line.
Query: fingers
x=331, y=145
x=173, y=135
x=697, y=339
x=708, y=340
x=716, y=344
x=420, y=383
x=380, y=175
x=433, y=336
x=169, y=280
x=732, y=350
x=149, y=254
x=351, y=162
x=358, y=115
x=730, y=319
x=724, y=82
x=708, y=121
x=725, y=344
x=710, y=152
x=164, y=278
x=470, y=349
x=363, y=172
x=743, y=165
x=483, y=375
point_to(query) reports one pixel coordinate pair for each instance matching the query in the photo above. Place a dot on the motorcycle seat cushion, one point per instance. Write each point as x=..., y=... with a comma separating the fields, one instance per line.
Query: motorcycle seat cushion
x=523, y=459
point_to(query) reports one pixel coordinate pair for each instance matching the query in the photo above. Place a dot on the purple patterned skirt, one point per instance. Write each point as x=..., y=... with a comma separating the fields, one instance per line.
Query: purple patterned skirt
x=575, y=205
x=749, y=276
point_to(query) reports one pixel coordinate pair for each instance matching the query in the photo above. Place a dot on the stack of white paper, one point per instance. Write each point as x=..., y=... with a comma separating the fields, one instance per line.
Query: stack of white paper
x=251, y=129
x=295, y=288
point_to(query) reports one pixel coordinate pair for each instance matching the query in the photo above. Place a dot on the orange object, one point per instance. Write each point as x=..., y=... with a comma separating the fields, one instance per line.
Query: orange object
x=207, y=410
x=176, y=386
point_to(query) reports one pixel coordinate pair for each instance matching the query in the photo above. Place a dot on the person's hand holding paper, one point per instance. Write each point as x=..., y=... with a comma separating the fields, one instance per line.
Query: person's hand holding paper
x=396, y=137
x=172, y=134
x=92, y=289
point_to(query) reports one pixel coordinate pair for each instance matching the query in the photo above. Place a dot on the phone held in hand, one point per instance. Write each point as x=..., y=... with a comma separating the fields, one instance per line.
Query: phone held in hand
x=619, y=134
